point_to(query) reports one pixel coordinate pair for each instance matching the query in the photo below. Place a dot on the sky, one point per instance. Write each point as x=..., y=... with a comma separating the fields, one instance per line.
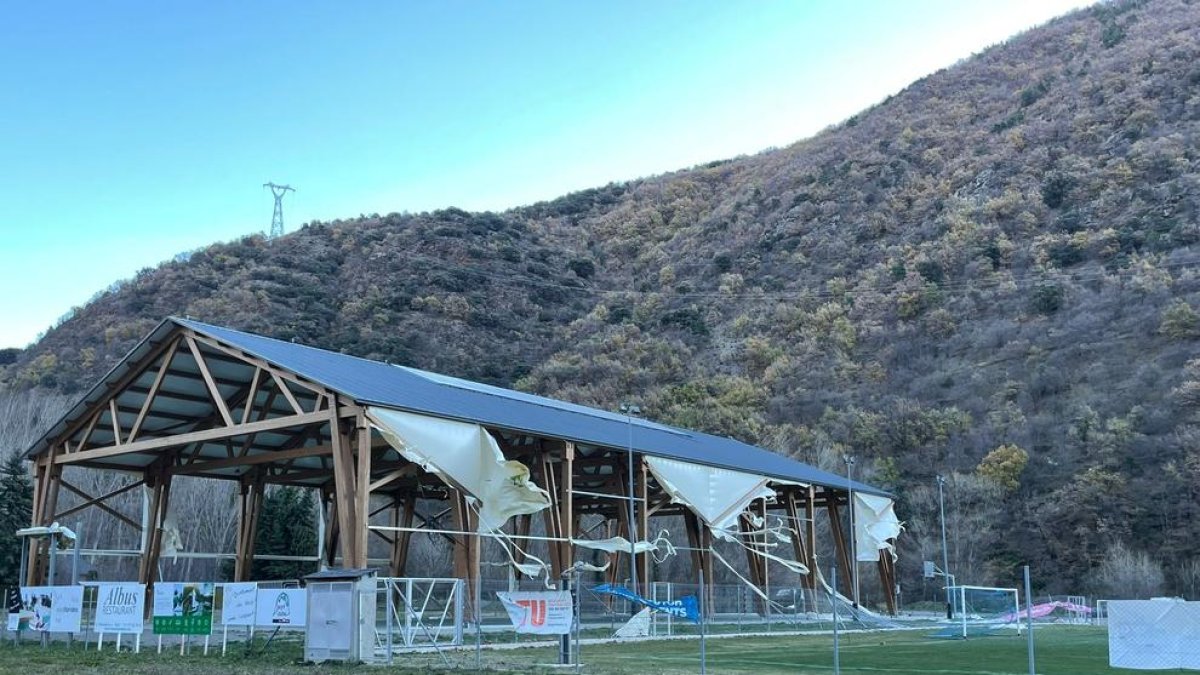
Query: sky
x=134, y=131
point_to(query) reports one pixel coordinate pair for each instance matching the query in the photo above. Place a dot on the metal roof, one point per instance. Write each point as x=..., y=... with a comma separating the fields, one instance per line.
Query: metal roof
x=381, y=384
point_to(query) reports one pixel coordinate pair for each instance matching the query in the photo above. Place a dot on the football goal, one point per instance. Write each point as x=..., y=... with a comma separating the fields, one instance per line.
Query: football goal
x=982, y=610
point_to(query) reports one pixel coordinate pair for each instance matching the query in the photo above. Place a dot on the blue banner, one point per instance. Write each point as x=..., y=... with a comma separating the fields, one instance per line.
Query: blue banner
x=686, y=607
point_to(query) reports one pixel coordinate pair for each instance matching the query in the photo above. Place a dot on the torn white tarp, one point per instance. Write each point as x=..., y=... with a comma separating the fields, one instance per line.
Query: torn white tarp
x=466, y=457
x=661, y=548
x=717, y=496
x=875, y=525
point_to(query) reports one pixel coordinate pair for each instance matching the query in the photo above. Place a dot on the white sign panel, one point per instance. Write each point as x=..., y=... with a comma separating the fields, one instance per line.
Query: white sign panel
x=237, y=605
x=55, y=609
x=281, y=607
x=1154, y=634
x=120, y=608
x=539, y=612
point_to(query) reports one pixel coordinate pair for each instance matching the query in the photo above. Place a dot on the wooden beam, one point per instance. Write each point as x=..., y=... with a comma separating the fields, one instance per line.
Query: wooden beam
x=199, y=468
x=252, y=395
x=287, y=393
x=115, y=418
x=98, y=502
x=194, y=437
x=410, y=470
x=213, y=391
x=158, y=380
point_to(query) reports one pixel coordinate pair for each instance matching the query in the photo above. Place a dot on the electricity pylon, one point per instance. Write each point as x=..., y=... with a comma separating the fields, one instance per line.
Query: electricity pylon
x=277, y=218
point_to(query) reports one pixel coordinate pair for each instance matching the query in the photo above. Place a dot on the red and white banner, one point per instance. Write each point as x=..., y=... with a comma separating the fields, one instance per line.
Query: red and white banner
x=539, y=612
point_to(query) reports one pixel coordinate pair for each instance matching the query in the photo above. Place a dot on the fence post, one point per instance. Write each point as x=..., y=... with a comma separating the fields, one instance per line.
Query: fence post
x=1029, y=621
x=387, y=584
x=837, y=662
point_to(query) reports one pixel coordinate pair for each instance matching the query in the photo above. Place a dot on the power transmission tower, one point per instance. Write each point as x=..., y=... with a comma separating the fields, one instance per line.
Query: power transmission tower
x=277, y=218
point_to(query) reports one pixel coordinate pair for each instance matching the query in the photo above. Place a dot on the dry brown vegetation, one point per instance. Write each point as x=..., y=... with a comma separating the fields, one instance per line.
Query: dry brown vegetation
x=1003, y=254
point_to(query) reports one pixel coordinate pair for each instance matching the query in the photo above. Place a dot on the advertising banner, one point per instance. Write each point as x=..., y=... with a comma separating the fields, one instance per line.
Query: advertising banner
x=120, y=608
x=539, y=612
x=237, y=603
x=281, y=607
x=687, y=607
x=56, y=609
x=183, y=609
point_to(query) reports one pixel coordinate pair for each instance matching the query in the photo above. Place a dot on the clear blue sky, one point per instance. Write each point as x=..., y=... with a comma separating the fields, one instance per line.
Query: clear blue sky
x=132, y=131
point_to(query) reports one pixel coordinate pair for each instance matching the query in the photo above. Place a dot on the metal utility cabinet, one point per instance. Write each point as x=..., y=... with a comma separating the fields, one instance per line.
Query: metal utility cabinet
x=341, y=615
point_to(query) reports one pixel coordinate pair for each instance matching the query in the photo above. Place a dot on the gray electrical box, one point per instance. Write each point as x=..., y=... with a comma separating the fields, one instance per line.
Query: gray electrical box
x=341, y=615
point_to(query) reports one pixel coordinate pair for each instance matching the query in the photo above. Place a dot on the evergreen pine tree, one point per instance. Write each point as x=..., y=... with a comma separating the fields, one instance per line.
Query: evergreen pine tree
x=16, y=509
x=286, y=526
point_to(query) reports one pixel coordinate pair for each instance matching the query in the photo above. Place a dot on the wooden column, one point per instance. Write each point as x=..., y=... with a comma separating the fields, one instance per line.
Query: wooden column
x=251, y=500
x=642, y=514
x=344, y=492
x=552, y=516
x=521, y=525
x=756, y=563
x=362, y=504
x=331, y=527
x=466, y=549
x=566, y=505
x=402, y=516
x=846, y=577
x=801, y=548
x=700, y=541
x=887, y=579
x=160, y=481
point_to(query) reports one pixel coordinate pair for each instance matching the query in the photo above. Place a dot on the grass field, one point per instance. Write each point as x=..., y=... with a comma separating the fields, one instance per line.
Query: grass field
x=1060, y=651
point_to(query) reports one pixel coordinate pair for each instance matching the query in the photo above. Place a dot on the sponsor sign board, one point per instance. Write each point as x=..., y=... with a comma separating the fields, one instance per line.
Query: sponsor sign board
x=281, y=607
x=183, y=609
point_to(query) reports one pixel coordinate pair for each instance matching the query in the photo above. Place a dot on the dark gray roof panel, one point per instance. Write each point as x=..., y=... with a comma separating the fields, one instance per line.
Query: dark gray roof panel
x=378, y=383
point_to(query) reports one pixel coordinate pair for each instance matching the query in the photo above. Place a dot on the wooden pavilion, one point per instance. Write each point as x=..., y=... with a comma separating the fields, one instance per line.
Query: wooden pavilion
x=193, y=399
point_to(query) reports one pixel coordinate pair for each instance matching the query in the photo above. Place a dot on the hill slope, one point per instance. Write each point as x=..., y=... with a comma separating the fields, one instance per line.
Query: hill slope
x=997, y=263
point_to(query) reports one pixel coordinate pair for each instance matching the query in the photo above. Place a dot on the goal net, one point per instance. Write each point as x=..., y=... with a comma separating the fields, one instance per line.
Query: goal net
x=982, y=610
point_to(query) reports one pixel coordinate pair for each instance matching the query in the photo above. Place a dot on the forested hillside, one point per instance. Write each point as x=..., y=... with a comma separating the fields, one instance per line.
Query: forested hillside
x=992, y=275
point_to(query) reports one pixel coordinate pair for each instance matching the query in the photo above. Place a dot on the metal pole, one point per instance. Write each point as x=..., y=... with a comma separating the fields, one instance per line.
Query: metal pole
x=387, y=585
x=1029, y=621
x=703, y=613
x=837, y=658
x=853, y=535
x=941, y=481
x=630, y=411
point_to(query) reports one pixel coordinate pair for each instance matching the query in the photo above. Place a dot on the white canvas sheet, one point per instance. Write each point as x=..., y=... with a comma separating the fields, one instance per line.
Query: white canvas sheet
x=717, y=496
x=1154, y=634
x=466, y=457
x=875, y=523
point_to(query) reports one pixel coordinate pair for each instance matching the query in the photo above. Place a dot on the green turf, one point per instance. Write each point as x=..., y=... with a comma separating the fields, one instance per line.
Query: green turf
x=1060, y=650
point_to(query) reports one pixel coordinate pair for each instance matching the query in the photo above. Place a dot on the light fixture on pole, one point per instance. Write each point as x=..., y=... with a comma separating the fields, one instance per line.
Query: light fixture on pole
x=941, y=482
x=630, y=410
x=849, y=460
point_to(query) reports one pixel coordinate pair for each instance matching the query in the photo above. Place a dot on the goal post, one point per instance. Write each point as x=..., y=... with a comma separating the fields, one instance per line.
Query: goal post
x=984, y=610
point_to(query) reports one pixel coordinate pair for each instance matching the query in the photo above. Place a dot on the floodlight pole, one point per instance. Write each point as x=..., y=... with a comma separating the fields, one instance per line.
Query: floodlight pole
x=849, y=460
x=630, y=410
x=941, y=482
